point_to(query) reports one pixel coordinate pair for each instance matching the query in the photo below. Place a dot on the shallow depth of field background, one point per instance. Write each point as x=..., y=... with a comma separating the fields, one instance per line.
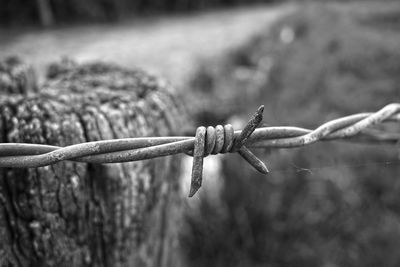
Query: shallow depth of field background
x=330, y=204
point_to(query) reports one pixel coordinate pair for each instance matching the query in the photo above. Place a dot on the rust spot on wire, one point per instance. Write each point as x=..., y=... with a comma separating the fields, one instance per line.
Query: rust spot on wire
x=221, y=139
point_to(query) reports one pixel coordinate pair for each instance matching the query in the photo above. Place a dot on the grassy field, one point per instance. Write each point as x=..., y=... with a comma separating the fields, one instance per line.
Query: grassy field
x=170, y=46
x=331, y=204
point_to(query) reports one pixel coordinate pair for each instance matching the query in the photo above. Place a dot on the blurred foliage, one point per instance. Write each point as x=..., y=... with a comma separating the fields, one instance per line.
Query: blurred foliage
x=330, y=204
x=23, y=11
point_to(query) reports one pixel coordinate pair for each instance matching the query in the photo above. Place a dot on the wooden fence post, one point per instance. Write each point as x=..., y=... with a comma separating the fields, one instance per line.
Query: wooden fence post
x=16, y=77
x=78, y=214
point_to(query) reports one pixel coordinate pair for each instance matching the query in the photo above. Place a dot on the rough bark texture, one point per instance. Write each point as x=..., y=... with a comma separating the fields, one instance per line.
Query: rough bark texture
x=16, y=77
x=77, y=214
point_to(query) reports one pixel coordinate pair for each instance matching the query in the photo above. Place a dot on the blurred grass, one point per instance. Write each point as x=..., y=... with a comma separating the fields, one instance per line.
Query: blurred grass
x=168, y=46
x=331, y=204
x=19, y=12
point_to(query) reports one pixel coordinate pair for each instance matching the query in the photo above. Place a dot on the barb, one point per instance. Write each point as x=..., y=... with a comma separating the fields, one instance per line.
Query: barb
x=221, y=139
x=198, y=155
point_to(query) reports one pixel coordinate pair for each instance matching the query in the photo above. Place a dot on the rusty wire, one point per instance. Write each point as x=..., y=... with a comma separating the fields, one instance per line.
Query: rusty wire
x=221, y=139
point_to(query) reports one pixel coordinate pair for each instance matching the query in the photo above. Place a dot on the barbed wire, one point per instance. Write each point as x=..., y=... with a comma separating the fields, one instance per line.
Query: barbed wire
x=210, y=140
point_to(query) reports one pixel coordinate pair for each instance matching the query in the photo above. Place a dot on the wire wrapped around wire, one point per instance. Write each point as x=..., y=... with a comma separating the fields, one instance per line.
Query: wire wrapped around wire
x=354, y=128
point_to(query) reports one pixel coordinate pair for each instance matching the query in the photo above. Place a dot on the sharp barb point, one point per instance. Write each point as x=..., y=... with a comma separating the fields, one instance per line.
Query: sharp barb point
x=193, y=190
x=253, y=160
x=264, y=168
x=253, y=123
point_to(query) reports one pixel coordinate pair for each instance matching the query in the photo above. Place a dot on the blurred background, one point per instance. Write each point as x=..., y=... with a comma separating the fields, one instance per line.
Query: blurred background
x=329, y=204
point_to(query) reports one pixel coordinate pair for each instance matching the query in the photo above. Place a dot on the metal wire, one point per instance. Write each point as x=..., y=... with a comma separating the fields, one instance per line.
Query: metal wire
x=352, y=128
x=222, y=140
x=21, y=155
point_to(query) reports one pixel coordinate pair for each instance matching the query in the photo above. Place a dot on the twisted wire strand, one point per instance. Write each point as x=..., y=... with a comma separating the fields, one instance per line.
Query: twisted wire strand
x=353, y=128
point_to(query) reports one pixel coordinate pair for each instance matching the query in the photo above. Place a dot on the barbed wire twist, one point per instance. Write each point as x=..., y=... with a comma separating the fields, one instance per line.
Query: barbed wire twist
x=210, y=140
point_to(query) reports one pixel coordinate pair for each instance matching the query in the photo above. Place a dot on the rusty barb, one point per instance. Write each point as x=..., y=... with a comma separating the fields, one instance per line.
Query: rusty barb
x=210, y=140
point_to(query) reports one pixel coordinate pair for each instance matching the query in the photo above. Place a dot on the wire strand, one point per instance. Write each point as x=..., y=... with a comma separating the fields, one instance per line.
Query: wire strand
x=351, y=128
x=221, y=139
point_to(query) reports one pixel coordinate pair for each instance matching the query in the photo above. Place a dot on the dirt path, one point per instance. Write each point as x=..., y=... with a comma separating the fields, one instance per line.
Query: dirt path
x=169, y=46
